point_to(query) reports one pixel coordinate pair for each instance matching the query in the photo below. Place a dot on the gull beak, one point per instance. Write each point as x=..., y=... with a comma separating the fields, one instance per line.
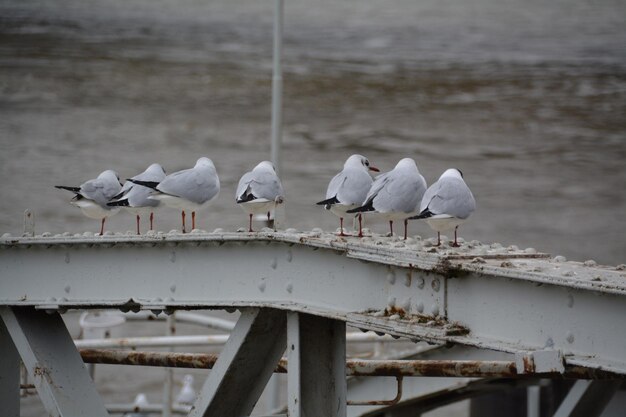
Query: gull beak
x=374, y=169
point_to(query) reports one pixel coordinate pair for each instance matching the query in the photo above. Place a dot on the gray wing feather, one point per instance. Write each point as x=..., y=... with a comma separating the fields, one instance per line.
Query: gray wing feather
x=450, y=196
x=244, y=182
x=379, y=183
x=266, y=185
x=350, y=186
x=401, y=194
x=335, y=184
x=196, y=185
x=100, y=191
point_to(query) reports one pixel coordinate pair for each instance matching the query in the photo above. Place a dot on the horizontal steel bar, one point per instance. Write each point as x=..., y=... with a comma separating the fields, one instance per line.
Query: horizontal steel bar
x=199, y=340
x=397, y=368
x=149, y=408
x=154, y=341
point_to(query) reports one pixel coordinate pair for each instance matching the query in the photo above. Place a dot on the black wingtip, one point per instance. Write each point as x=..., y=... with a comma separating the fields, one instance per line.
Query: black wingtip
x=423, y=215
x=119, y=203
x=245, y=198
x=72, y=189
x=367, y=207
x=149, y=184
x=328, y=201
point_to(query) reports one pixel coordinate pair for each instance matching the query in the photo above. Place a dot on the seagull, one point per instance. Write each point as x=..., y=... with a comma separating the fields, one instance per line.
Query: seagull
x=93, y=195
x=136, y=198
x=190, y=189
x=395, y=194
x=140, y=404
x=259, y=191
x=187, y=395
x=348, y=189
x=447, y=204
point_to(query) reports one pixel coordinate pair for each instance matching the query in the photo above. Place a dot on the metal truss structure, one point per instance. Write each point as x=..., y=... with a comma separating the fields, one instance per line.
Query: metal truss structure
x=512, y=313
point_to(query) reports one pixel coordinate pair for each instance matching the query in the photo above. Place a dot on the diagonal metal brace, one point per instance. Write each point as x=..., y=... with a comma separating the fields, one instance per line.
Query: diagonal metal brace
x=53, y=363
x=245, y=365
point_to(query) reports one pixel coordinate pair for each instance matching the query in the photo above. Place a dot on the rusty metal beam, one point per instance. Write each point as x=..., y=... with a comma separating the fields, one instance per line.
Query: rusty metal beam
x=403, y=368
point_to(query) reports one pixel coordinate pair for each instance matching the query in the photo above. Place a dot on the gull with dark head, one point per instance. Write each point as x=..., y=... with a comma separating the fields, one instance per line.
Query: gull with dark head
x=447, y=204
x=93, y=195
x=187, y=190
x=395, y=195
x=260, y=191
x=348, y=189
x=135, y=198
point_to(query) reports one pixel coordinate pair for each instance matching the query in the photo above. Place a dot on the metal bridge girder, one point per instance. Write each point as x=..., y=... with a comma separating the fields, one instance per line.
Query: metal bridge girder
x=245, y=365
x=52, y=361
x=317, y=366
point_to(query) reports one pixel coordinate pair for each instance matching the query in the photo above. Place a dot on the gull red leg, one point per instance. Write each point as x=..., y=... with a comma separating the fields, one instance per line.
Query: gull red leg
x=391, y=227
x=360, y=226
x=138, y=232
x=438, y=239
x=193, y=220
x=406, y=226
x=250, y=224
x=183, y=215
x=151, y=219
x=102, y=227
x=455, y=244
x=341, y=227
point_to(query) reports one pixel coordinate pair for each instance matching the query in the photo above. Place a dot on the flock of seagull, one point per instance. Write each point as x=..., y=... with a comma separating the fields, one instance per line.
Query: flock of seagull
x=400, y=194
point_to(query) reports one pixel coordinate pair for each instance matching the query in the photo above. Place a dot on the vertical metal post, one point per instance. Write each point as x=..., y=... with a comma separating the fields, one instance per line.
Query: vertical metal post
x=169, y=372
x=277, y=85
x=316, y=349
x=53, y=362
x=9, y=375
x=533, y=401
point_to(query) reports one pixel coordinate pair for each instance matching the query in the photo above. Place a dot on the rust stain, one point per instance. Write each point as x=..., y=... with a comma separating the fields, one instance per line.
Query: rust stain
x=529, y=365
x=390, y=311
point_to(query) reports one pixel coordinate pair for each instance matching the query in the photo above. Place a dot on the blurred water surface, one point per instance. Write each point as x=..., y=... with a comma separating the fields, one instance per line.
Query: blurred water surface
x=527, y=98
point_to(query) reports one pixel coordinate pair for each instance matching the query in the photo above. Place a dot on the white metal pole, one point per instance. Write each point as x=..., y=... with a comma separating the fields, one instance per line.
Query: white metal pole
x=277, y=85
x=169, y=373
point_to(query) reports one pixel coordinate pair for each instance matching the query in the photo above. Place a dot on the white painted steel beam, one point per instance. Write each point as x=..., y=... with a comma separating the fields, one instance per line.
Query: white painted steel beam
x=245, y=365
x=9, y=375
x=53, y=363
x=316, y=349
x=478, y=295
x=199, y=340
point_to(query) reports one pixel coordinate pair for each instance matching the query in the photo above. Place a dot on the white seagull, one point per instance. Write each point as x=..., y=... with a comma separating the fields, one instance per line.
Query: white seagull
x=348, y=189
x=447, y=204
x=136, y=198
x=396, y=194
x=187, y=395
x=140, y=404
x=93, y=195
x=190, y=189
x=259, y=191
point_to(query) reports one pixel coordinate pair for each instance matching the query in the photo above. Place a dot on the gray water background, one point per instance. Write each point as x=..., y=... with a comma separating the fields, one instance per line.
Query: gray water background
x=527, y=98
